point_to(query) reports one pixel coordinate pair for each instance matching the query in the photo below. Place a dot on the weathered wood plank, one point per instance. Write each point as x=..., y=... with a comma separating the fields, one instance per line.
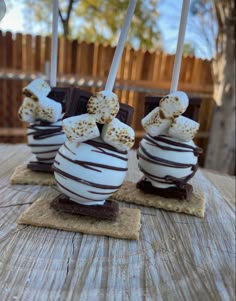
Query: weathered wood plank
x=178, y=257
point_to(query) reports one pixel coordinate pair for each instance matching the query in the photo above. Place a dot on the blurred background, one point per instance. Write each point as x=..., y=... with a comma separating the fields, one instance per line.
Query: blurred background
x=88, y=33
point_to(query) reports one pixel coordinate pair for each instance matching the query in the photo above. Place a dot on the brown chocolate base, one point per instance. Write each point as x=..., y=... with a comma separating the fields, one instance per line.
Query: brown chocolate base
x=107, y=211
x=183, y=193
x=38, y=166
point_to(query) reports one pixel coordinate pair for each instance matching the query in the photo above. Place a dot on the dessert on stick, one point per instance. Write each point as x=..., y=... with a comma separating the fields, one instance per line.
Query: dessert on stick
x=43, y=113
x=44, y=116
x=167, y=155
x=92, y=164
x=89, y=167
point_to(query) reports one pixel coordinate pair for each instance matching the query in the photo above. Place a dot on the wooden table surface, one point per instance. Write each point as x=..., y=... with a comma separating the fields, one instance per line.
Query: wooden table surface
x=178, y=257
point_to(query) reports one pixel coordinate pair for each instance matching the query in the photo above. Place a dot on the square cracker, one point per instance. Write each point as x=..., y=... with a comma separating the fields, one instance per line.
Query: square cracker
x=130, y=194
x=40, y=214
x=23, y=175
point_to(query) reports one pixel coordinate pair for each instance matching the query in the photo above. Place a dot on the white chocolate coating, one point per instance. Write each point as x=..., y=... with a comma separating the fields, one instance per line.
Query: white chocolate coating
x=45, y=140
x=165, y=160
x=89, y=172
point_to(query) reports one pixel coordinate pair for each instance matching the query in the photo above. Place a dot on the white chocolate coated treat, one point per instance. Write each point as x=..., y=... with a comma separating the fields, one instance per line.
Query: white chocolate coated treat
x=37, y=88
x=27, y=111
x=90, y=172
x=118, y=134
x=174, y=104
x=184, y=128
x=166, y=161
x=45, y=139
x=104, y=106
x=80, y=128
x=155, y=123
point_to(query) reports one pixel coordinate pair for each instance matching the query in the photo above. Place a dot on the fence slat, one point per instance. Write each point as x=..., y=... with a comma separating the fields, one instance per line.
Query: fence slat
x=150, y=70
x=38, y=54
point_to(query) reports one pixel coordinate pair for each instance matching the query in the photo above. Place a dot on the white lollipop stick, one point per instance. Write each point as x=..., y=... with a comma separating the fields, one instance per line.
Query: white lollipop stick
x=120, y=46
x=53, y=67
x=180, y=45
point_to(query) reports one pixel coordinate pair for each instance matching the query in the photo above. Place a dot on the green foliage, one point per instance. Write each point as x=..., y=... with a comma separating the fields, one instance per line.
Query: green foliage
x=99, y=20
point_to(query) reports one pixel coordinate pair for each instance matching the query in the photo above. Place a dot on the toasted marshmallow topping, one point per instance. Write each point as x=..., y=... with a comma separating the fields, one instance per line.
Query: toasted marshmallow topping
x=104, y=106
x=80, y=128
x=118, y=134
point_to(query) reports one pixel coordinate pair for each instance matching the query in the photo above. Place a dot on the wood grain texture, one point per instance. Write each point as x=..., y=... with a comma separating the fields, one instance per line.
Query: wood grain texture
x=178, y=257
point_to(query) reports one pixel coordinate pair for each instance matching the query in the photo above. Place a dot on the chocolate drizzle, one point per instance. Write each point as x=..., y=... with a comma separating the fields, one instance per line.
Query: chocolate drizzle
x=167, y=144
x=102, y=149
x=39, y=132
x=96, y=146
x=181, y=146
x=82, y=181
x=88, y=164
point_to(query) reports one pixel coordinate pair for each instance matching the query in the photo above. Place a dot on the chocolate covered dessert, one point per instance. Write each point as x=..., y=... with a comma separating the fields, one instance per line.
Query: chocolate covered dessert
x=167, y=155
x=91, y=165
x=44, y=108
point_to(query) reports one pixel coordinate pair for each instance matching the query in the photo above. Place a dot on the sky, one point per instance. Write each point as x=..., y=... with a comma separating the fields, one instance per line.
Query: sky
x=14, y=21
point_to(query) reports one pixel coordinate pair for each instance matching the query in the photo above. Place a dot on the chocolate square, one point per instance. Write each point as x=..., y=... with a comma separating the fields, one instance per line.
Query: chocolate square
x=61, y=95
x=77, y=103
x=109, y=210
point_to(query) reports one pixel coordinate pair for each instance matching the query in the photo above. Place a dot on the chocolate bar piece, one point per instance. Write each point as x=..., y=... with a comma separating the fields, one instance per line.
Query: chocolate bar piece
x=39, y=166
x=125, y=113
x=180, y=193
x=60, y=94
x=107, y=211
x=151, y=102
x=77, y=105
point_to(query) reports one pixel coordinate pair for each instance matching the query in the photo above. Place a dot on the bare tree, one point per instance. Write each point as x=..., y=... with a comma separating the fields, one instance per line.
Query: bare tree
x=65, y=19
x=221, y=148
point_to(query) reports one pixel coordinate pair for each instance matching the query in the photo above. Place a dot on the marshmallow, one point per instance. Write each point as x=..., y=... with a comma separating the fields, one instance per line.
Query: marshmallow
x=174, y=104
x=28, y=109
x=118, y=134
x=104, y=106
x=80, y=128
x=36, y=89
x=48, y=109
x=155, y=123
x=184, y=128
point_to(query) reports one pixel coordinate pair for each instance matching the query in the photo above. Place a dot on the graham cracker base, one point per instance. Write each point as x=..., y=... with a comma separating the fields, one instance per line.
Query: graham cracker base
x=40, y=214
x=23, y=175
x=130, y=194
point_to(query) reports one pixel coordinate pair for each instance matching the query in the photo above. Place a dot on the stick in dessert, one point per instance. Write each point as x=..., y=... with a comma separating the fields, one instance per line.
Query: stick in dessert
x=92, y=164
x=167, y=155
x=45, y=134
x=43, y=107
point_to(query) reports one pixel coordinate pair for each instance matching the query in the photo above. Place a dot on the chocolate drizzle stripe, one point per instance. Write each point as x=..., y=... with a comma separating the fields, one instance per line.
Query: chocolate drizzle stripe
x=163, y=162
x=79, y=180
x=65, y=145
x=88, y=164
x=46, y=152
x=167, y=148
x=39, y=132
x=72, y=192
x=102, y=193
x=47, y=159
x=164, y=139
x=102, y=147
x=39, y=145
x=168, y=179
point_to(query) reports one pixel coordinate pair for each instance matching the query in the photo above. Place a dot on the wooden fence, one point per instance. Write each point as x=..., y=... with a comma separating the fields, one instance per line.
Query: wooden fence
x=88, y=65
